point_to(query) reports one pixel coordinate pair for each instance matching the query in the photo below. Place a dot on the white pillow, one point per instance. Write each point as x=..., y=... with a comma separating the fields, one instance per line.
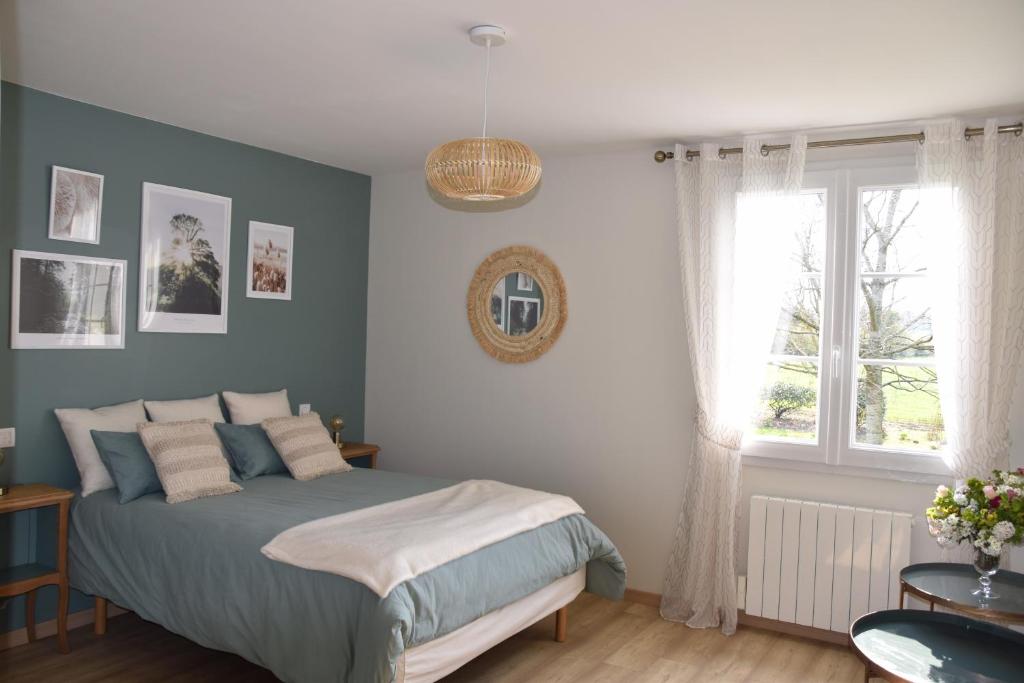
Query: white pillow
x=77, y=423
x=205, y=408
x=250, y=409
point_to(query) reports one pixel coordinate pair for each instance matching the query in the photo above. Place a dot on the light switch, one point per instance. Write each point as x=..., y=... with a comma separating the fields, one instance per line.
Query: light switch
x=7, y=437
x=304, y=408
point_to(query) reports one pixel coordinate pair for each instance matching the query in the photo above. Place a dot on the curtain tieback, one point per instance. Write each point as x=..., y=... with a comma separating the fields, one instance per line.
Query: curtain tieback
x=715, y=432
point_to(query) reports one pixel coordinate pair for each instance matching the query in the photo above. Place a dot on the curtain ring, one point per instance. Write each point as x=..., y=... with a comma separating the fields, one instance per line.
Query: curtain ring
x=721, y=152
x=764, y=150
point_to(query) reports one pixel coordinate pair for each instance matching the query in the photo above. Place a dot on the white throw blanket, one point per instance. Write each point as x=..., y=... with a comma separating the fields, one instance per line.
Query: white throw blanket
x=383, y=545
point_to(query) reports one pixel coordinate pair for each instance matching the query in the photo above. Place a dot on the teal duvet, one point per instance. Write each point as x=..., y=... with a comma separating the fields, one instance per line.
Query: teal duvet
x=196, y=569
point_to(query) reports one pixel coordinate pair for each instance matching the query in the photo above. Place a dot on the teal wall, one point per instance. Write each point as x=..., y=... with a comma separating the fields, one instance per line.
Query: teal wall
x=315, y=345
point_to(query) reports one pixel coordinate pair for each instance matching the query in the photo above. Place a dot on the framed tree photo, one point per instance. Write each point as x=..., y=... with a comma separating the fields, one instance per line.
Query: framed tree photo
x=60, y=301
x=76, y=204
x=270, y=261
x=183, y=266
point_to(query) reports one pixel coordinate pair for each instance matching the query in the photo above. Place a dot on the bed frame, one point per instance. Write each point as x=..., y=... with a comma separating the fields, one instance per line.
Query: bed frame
x=100, y=623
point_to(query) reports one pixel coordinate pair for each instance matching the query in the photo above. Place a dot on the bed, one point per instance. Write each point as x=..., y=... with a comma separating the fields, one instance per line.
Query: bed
x=196, y=569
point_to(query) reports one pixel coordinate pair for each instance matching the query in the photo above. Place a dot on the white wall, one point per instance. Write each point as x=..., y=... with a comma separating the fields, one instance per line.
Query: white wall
x=606, y=415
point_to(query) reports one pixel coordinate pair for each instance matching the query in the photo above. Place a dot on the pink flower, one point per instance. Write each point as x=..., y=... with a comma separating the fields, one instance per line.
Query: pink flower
x=994, y=503
x=1011, y=493
x=990, y=492
x=942, y=490
x=1020, y=470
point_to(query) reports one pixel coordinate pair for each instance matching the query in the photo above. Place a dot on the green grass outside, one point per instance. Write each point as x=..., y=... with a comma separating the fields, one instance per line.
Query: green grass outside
x=912, y=420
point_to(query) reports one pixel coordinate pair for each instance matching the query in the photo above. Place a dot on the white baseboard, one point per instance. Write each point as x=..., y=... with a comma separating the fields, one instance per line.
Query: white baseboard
x=45, y=629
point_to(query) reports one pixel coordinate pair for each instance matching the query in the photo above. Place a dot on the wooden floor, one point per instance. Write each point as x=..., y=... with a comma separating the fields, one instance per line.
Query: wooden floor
x=608, y=643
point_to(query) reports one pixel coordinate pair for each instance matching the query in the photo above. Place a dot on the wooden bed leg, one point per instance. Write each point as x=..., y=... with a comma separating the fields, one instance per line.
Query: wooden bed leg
x=100, y=616
x=562, y=624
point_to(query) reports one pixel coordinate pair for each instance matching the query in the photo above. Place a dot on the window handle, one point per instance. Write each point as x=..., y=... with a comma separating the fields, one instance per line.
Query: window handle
x=837, y=357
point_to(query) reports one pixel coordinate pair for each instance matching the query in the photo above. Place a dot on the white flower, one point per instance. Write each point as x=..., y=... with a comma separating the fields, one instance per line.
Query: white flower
x=960, y=498
x=1003, y=530
x=945, y=541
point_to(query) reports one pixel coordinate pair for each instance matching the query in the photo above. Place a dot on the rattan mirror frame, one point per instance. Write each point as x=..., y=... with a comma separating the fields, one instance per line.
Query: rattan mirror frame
x=533, y=262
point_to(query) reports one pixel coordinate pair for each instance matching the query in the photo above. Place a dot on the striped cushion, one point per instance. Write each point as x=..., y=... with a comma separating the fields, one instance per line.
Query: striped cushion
x=188, y=459
x=305, y=446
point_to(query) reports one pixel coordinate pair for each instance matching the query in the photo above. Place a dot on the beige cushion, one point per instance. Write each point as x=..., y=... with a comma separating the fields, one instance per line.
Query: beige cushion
x=188, y=459
x=205, y=408
x=252, y=409
x=78, y=422
x=305, y=446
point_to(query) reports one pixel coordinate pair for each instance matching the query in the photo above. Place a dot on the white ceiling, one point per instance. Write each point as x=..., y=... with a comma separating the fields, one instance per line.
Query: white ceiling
x=372, y=86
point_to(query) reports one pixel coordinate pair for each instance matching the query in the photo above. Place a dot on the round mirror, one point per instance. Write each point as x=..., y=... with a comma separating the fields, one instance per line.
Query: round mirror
x=516, y=304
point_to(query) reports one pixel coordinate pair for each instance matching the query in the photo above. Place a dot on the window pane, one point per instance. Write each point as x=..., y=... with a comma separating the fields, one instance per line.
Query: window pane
x=809, y=233
x=788, y=405
x=800, y=320
x=895, y=318
x=898, y=407
x=891, y=239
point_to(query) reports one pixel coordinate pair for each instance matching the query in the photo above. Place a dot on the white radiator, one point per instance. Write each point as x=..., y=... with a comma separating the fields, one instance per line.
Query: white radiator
x=823, y=565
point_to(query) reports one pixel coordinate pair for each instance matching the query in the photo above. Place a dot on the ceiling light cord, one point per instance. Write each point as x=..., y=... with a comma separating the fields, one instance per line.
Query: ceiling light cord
x=487, y=78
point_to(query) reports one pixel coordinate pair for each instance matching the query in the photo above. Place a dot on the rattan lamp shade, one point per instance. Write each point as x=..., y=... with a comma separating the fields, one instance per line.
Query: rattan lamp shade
x=483, y=169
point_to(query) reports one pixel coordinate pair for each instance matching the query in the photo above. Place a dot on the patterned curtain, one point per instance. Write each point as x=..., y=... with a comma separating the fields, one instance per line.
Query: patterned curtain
x=735, y=230
x=973, y=199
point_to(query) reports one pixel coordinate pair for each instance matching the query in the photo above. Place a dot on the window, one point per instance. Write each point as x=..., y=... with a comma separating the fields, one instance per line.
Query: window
x=851, y=379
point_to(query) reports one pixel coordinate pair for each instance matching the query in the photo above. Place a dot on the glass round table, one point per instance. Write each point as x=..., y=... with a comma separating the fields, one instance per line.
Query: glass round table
x=955, y=586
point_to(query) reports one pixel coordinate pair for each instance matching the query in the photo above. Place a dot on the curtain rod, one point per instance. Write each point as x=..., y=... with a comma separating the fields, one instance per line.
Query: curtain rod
x=723, y=152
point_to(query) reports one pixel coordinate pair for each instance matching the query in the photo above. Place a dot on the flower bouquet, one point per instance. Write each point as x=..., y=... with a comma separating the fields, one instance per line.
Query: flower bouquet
x=988, y=515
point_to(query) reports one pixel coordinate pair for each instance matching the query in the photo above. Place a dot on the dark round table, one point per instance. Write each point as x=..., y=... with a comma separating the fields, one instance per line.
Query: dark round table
x=916, y=646
x=951, y=585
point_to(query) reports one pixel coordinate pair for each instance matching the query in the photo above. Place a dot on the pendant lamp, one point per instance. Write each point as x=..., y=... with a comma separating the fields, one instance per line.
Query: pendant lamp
x=483, y=169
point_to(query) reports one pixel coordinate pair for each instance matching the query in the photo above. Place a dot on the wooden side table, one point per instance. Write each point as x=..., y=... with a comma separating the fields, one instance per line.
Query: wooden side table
x=352, y=451
x=27, y=578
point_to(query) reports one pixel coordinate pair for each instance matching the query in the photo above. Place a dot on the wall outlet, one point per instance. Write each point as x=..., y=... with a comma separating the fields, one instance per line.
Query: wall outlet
x=304, y=408
x=7, y=437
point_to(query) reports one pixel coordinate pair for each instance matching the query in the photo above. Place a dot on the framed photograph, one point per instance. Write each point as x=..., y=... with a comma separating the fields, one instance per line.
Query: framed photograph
x=524, y=282
x=183, y=266
x=270, y=261
x=498, y=304
x=76, y=203
x=59, y=301
x=523, y=315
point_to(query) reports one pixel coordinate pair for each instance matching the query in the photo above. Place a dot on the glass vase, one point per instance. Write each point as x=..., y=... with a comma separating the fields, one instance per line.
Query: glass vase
x=986, y=565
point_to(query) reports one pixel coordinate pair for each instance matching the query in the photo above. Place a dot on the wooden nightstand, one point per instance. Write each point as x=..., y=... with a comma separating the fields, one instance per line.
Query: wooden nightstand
x=27, y=578
x=352, y=451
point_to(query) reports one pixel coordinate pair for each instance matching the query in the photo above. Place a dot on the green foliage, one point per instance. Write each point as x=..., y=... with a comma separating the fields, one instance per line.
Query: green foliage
x=783, y=397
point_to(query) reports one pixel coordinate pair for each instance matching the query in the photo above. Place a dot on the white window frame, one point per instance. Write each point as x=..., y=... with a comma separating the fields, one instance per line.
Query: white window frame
x=835, y=450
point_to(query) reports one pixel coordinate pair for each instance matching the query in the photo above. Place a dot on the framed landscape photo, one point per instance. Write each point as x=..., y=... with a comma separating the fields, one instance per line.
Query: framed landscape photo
x=269, y=273
x=183, y=266
x=59, y=301
x=498, y=304
x=76, y=203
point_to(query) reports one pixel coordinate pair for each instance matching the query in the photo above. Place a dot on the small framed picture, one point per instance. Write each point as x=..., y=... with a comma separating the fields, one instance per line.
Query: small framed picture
x=183, y=265
x=270, y=261
x=523, y=315
x=76, y=203
x=59, y=301
x=498, y=304
x=524, y=283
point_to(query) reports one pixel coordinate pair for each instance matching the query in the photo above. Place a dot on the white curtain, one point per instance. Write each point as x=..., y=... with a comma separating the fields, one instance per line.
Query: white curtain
x=735, y=240
x=973, y=200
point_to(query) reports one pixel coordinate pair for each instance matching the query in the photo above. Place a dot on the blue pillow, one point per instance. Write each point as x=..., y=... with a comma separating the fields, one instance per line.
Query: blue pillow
x=250, y=450
x=128, y=463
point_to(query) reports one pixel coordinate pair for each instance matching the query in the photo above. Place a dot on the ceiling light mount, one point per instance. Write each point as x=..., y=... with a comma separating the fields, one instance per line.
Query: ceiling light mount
x=479, y=35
